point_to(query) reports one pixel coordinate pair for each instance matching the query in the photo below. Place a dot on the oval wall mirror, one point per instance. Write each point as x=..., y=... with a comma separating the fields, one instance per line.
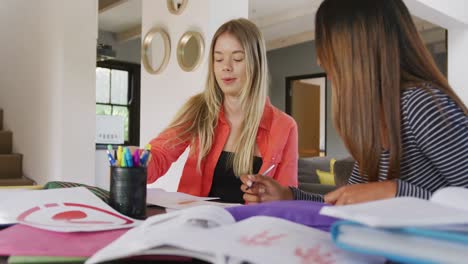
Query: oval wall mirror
x=156, y=50
x=176, y=7
x=190, y=50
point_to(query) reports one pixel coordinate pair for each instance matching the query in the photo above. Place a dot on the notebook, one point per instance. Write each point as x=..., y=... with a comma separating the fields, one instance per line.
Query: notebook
x=210, y=233
x=446, y=207
x=408, y=245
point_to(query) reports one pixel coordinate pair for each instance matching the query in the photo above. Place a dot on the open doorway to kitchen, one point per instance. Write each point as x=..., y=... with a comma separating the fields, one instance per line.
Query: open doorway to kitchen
x=306, y=103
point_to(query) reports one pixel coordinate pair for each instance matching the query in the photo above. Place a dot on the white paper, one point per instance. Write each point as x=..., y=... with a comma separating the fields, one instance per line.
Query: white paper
x=398, y=212
x=162, y=230
x=175, y=200
x=264, y=239
x=455, y=197
x=109, y=129
x=209, y=233
x=62, y=210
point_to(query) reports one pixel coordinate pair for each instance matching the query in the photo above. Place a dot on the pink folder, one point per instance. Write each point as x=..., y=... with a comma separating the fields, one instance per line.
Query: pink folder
x=21, y=240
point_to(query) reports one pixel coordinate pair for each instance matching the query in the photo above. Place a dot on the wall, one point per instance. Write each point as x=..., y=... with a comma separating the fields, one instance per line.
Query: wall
x=128, y=51
x=300, y=60
x=47, y=86
x=452, y=15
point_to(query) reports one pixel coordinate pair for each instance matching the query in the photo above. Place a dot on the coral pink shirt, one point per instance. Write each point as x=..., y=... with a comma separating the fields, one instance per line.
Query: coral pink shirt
x=276, y=141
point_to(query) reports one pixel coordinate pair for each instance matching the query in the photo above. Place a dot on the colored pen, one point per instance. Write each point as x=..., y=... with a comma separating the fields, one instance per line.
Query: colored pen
x=144, y=156
x=128, y=157
x=119, y=156
x=123, y=161
x=136, y=158
x=109, y=155
x=265, y=173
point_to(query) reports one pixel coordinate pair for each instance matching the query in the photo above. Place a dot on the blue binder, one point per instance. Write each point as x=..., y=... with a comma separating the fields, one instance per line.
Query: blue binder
x=441, y=244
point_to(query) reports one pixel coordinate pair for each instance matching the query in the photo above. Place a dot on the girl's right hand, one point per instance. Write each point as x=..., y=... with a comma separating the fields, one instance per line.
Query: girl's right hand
x=259, y=188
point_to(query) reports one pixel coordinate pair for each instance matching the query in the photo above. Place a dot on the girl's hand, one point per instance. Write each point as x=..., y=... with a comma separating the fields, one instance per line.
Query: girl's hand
x=259, y=188
x=358, y=193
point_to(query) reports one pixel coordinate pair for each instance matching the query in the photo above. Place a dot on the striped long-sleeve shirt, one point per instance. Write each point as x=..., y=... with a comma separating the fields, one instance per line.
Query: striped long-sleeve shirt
x=434, y=136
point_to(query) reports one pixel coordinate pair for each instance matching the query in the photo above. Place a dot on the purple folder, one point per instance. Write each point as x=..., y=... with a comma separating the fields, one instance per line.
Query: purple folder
x=302, y=212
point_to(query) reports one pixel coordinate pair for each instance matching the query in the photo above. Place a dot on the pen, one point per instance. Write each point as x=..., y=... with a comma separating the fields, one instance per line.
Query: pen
x=145, y=155
x=128, y=157
x=109, y=155
x=136, y=158
x=265, y=173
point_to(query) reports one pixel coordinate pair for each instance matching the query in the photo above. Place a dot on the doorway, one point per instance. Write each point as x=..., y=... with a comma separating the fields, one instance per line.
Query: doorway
x=306, y=103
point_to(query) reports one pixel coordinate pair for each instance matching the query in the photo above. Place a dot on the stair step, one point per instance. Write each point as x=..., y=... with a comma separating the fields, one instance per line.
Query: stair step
x=6, y=142
x=11, y=166
x=23, y=181
x=1, y=119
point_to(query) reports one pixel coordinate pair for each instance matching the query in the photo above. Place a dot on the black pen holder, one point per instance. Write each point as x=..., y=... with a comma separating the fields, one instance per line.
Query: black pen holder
x=128, y=191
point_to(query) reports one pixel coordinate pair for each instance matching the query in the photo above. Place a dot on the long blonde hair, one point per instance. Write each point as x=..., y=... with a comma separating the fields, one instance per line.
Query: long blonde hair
x=372, y=51
x=197, y=119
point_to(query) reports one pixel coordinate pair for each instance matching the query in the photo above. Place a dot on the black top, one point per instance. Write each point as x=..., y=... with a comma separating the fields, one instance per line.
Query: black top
x=225, y=184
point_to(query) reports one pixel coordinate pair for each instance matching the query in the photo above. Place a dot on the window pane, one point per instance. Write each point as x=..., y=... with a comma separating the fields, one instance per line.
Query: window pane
x=102, y=85
x=103, y=109
x=119, y=85
x=122, y=111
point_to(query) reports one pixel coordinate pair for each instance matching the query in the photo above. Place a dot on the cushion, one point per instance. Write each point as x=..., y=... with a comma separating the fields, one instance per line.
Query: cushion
x=326, y=178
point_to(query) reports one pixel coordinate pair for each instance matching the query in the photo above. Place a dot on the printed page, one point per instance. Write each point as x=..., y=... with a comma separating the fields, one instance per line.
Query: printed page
x=398, y=212
x=167, y=229
x=62, y=210
x=189, y=204
x=456, y=197
x=263, y=239
x=175, y=200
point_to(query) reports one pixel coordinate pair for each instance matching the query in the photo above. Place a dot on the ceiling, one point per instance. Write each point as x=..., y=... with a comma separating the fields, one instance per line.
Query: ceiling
x=283, y=23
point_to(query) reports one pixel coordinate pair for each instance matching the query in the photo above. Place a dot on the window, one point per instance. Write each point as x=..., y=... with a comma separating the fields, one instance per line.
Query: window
x=118, y=94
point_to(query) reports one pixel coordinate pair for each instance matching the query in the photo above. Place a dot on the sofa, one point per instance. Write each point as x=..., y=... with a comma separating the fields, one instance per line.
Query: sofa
x=309, y=180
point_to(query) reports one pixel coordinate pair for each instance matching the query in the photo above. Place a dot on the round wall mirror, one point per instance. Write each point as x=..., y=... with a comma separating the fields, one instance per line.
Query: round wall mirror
x=176, y=7
x=190, y=50
x=156, y=50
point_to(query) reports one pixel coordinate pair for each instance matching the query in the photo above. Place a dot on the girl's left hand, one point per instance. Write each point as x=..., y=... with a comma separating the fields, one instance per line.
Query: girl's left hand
x=365, y=192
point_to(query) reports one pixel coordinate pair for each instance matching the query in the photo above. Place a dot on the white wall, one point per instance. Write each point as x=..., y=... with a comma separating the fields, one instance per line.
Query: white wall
x=458, y=61
x=453, y=15
x=162, y=95
x=47, y=80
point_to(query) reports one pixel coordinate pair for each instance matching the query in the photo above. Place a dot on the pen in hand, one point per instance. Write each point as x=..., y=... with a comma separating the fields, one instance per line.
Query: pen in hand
x=265, y=173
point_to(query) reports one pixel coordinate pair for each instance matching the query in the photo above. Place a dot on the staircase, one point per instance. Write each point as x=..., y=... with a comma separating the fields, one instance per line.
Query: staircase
x=11, y=165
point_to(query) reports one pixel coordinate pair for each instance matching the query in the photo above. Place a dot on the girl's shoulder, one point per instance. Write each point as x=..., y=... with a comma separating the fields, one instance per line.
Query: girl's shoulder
x=420, y=99
x=430, y=104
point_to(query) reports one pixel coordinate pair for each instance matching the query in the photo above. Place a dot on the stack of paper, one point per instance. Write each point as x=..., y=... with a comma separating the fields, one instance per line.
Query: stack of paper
x=406, y=229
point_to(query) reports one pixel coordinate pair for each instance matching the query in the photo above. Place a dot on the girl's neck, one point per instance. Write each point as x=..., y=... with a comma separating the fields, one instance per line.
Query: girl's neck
x=233, y=109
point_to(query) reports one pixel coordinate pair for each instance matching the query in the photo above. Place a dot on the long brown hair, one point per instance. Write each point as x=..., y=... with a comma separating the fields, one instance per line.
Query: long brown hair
x=197, y=119
x=372, y=51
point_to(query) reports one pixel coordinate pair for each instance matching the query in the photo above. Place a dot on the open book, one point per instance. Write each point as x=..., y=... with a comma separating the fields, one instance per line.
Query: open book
x=210, y=233
x=447, y=206
x=407, y=229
